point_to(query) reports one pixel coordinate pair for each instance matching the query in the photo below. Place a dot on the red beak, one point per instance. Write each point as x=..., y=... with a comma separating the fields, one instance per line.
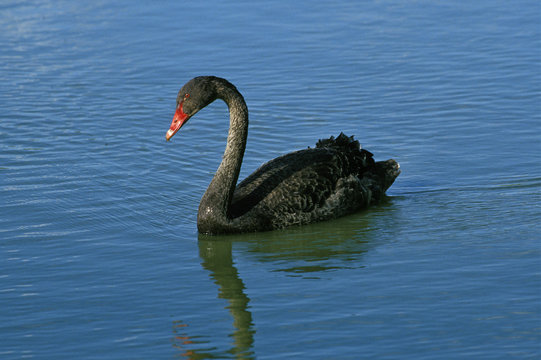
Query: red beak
x=179, y=119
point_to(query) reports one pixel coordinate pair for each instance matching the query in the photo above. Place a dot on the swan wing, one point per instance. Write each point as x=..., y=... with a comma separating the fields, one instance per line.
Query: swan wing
x=299, y=182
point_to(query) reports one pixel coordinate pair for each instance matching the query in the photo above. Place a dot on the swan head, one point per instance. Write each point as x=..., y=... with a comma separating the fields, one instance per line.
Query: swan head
x=192, y=97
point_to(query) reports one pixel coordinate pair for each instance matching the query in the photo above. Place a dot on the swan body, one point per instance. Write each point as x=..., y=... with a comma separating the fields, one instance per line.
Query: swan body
x=333, y=179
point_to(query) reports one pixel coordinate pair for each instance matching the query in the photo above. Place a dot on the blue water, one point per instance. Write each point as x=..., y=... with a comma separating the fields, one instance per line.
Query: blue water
x=99, y=251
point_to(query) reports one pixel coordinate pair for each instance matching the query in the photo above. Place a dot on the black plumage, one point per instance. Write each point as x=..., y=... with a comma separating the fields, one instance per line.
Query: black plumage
x=333, y=179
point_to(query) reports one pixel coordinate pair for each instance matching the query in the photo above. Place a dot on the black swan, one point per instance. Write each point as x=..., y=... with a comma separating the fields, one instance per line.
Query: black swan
x=333, y=179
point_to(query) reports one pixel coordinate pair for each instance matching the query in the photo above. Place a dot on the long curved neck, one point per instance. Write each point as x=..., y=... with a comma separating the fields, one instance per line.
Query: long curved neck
x=216, y=200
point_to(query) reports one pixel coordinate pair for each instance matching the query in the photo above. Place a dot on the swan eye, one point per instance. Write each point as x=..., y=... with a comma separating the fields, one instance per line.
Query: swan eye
x=186, y=96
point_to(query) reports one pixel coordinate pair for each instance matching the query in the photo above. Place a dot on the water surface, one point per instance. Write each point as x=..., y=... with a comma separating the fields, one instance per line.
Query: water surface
x=99, y=246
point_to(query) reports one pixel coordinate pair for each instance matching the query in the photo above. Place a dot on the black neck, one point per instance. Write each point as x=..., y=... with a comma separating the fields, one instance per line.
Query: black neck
x=217, y=199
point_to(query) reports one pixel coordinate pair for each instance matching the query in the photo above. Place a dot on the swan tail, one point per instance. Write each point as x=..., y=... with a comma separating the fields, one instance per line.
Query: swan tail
x=380, y=175
x=388, y=171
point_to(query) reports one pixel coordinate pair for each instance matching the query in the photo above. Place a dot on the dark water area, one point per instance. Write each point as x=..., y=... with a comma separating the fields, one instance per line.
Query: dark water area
x=99, y=251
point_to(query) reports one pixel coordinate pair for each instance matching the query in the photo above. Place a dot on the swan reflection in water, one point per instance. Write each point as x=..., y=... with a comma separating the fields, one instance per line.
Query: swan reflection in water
x=310, y=251
x=217, y=259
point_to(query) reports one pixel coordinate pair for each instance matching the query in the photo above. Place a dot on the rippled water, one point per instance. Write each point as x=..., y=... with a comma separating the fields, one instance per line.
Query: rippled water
x=99, y=248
